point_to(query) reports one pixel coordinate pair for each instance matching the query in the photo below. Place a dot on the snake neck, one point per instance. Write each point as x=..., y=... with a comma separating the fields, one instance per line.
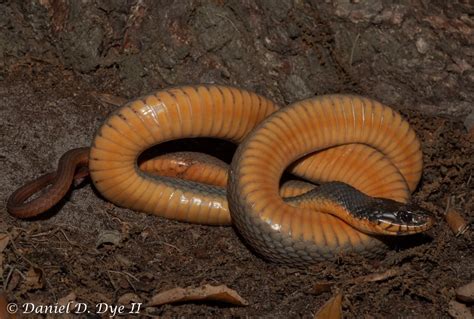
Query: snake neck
x=365, y=213
x=371, y=215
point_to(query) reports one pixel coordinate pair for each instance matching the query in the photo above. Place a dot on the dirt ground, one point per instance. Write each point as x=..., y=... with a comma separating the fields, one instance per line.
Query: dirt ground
x=56, y=56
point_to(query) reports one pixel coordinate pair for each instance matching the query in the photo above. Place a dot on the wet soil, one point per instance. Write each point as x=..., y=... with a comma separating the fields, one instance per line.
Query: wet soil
x=416, y=56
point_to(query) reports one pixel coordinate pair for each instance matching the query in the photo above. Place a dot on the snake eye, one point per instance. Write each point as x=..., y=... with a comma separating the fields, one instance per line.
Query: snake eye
x=406, y=217
x=414, y=216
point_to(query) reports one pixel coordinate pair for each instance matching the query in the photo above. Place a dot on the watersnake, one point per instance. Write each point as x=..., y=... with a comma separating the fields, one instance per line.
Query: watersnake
x=366, y=156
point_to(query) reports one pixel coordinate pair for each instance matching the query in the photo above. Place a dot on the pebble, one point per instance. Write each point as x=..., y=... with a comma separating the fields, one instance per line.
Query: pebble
x=422, y=46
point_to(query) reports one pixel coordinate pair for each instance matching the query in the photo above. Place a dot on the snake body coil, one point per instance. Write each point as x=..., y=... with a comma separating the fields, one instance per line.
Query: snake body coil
x=277, y=229
x=342, y=138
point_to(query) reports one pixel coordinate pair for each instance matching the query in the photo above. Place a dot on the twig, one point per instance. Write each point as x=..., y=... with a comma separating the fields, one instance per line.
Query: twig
x=353, y=49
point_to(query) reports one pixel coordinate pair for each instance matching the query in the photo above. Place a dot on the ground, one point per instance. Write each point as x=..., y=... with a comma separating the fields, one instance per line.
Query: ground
x=416, y=56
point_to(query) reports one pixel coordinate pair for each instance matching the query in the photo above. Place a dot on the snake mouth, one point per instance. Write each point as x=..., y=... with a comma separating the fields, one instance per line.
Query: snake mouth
x=403, y=219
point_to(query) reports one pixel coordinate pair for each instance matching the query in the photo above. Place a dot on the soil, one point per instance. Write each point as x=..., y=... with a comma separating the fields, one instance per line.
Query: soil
x=416, y=56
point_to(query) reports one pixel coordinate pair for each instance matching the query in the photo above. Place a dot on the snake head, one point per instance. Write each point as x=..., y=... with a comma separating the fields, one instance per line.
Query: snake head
x=395, y=218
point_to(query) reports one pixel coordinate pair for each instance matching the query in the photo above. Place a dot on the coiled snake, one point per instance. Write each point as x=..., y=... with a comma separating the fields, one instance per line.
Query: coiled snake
x=361, y=150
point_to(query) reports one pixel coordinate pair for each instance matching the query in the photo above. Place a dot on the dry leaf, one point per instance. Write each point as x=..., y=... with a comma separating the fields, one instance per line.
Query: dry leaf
x=3, y=305
x=332, y=309
x=456, y=222
x=109, y=98
x=466, y=292
x=459, y=311
x=4, y=314
x=4, y=240
x=321, y=287
x=326, y=286
x=376, y=277
x=34, y=278
x=67, y=299
x=2, y=258
x=207, y=292
x=14, y=281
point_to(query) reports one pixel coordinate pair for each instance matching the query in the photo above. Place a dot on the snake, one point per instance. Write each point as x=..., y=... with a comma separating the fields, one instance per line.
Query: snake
x=364, y=156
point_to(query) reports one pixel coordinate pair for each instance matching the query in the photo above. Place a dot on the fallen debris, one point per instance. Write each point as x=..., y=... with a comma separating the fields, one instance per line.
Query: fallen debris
x=105, y=98
x=34, y=279
x=332, y=309
x=466, y=293
x=207, y=292
x=128, y=298
x=4, y=240
x=110, y=237
x=455, y=220
x=375, y=277
x=458, y=310
x=5, y=308
x=321, y=287
x=68, y=299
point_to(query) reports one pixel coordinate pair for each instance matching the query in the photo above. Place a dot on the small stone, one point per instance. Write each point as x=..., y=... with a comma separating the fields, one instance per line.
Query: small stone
x=422, y=46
